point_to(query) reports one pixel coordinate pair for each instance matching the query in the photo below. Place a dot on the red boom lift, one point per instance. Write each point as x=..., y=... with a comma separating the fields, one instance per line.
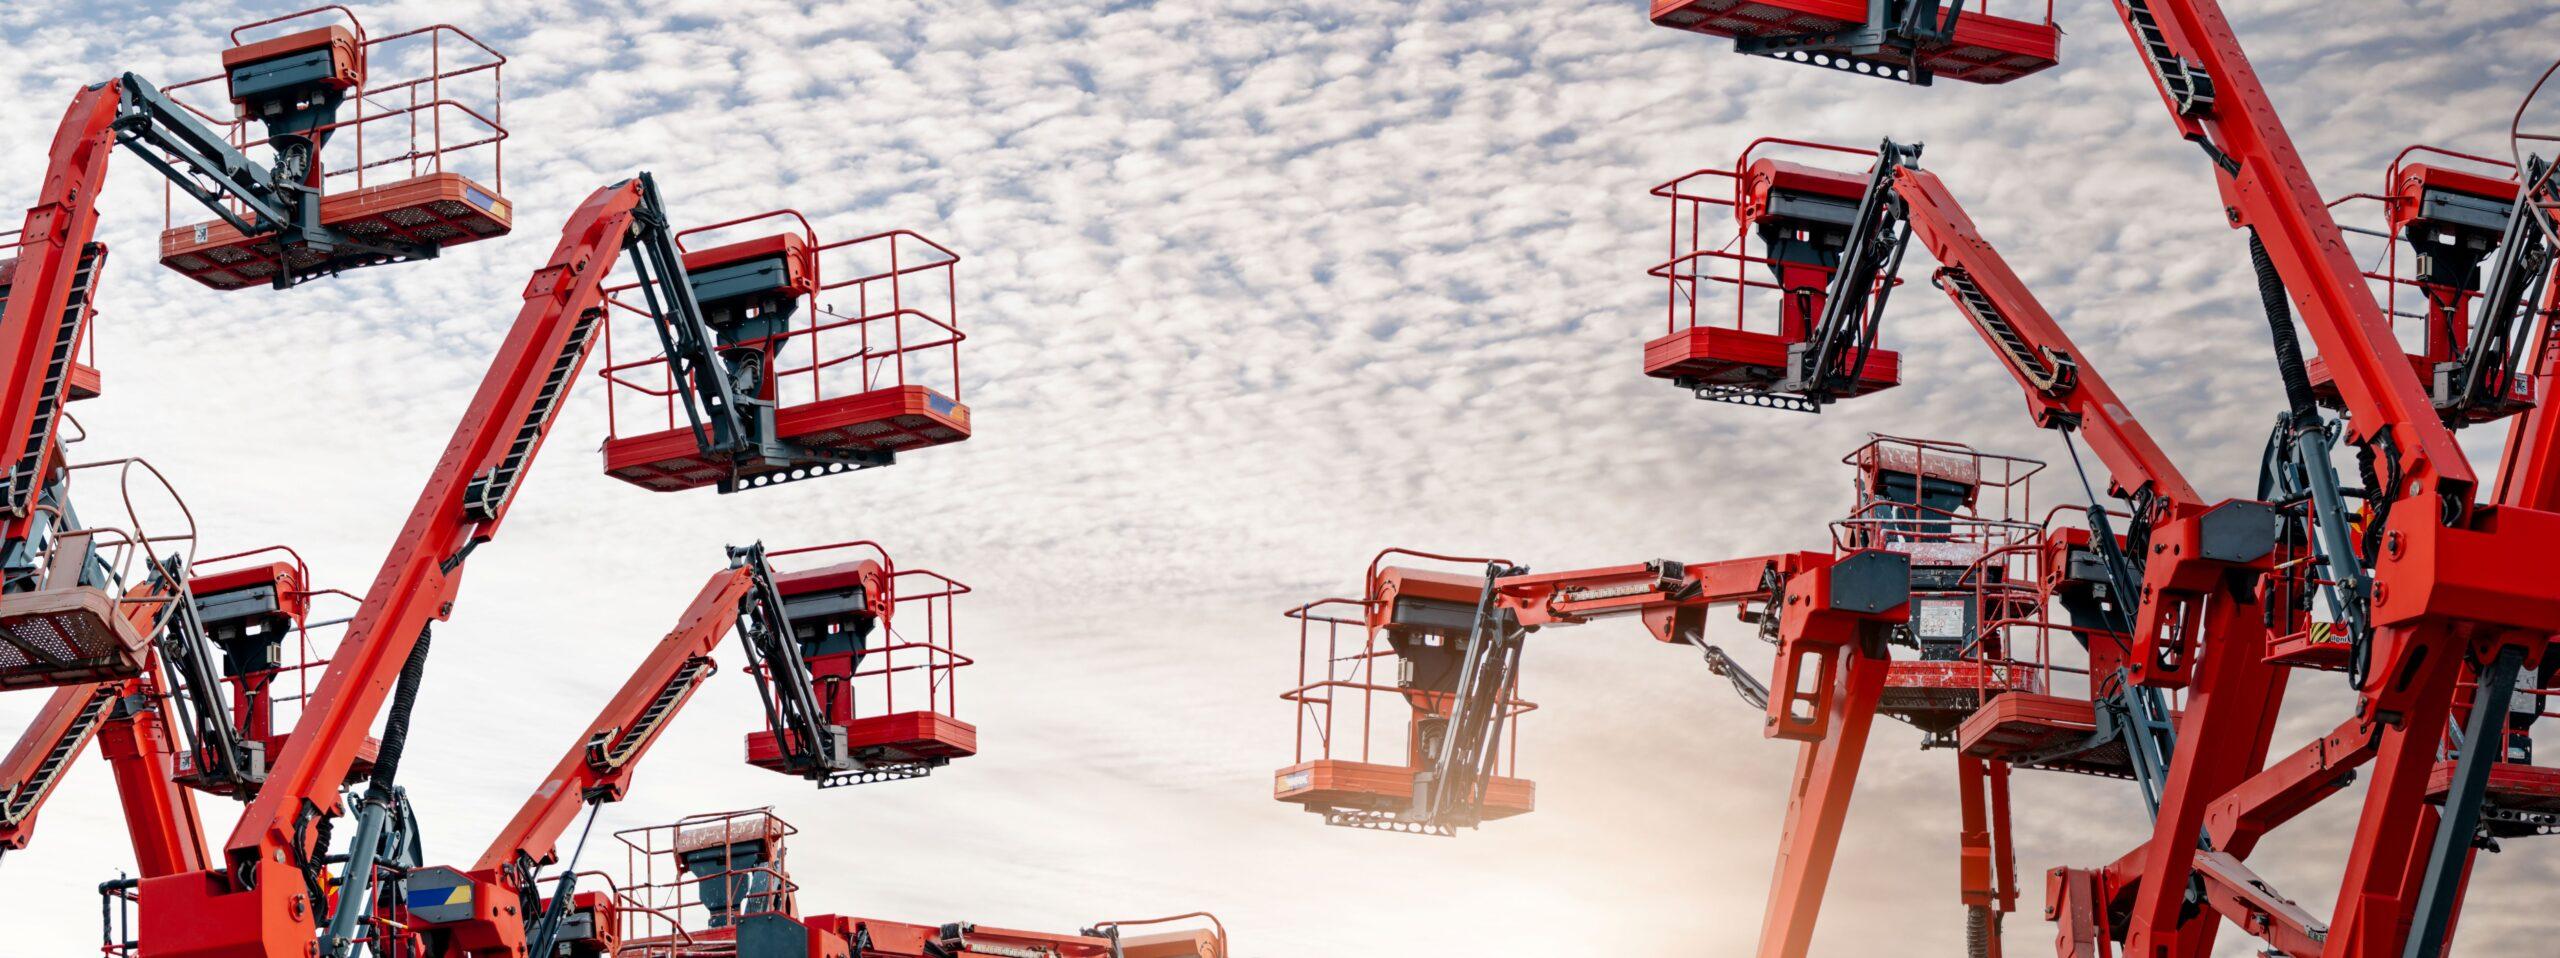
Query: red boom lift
x=1456, y=643
x=2141, y=622
x=2432, y=594
x=230, y=649
x=119, y=652
x=273, y=886
x=808, y=639
x=719, y=885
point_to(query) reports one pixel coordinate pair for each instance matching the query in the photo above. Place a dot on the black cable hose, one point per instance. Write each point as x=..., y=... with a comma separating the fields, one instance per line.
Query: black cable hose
x=2289, y=362
x=395, y=728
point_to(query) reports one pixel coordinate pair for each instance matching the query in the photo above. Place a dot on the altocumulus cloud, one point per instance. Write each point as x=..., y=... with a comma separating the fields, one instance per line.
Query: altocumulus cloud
x=1254, y=288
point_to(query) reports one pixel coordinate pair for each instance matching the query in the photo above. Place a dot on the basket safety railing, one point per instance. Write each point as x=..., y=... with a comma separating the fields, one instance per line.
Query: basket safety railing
x=915, y=648
x=1341, y=643
x=666, y=908
x=883, y=314
x=1997, y=509
x=433, y=101
x=309, y=658
x=1699, y=249
x=2386, y=253
x=1218, y=928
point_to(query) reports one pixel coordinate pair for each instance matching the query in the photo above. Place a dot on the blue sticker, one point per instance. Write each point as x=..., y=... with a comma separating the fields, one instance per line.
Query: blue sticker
x=434, y=897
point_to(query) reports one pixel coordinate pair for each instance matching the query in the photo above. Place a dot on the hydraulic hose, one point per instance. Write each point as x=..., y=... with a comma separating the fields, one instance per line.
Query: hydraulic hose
x=395, y=727
x=2310, y=441
x=373, y=818
x=2289, y=363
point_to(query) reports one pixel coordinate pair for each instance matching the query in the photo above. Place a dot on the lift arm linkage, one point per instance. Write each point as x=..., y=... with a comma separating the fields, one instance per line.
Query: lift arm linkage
x=2063, y=389
x=2445, y=587
x=47, y=307
x=465, y=500
x=1815, y=602
x=597, y=769
x=201, y=164
x=2216, y=100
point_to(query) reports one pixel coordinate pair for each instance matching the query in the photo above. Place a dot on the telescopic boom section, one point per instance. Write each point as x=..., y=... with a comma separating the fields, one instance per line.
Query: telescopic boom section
x=598, y=768
x=2216, y=100
x=2063, y=389
x=256, y=909
x=47, y=306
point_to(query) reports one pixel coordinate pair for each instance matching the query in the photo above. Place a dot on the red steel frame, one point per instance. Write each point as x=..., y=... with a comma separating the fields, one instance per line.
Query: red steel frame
x=2185, y=593
x=2187, y=601
x=2454, y=582
x=251, y=906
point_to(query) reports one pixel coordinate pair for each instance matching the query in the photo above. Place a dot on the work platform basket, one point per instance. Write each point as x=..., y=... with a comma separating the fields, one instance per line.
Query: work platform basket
x=1992, y=41
x=1770, y=228
x=2438, y=224
x=413, y=155
x=1962, y=517
x=878, y=641
x=268, y=648
x=854, y=343
x=1403, y=620
x=77, y=607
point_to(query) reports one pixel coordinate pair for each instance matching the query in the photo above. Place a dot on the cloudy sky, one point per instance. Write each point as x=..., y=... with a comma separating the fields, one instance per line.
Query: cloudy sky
x=1254, y=288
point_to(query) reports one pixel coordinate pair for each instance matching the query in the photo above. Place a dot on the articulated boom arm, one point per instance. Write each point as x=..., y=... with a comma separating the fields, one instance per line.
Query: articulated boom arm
x=2063, y=389
x=2446, y=589
x=46, y=312
x=2216, y=100
x=272, y=864
x=1673, y=599
x=598, y=768
x=1658, y=591
x=465, y=500
x=1818, y=604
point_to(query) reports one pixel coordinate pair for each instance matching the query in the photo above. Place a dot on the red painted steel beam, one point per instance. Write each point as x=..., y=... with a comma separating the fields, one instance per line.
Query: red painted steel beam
x=2269, y=190
x=2251, y=903
x=1818, y=804
x=2223, y=739
x=159, y=813
x=2133, y=459
x=58, y=231
x=255, y=909
x=415, y=586
x=1583, y=595
x=577, y=781
x=44, y=753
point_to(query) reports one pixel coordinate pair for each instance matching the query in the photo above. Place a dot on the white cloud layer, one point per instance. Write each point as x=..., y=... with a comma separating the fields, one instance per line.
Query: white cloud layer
x=1254, y=288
